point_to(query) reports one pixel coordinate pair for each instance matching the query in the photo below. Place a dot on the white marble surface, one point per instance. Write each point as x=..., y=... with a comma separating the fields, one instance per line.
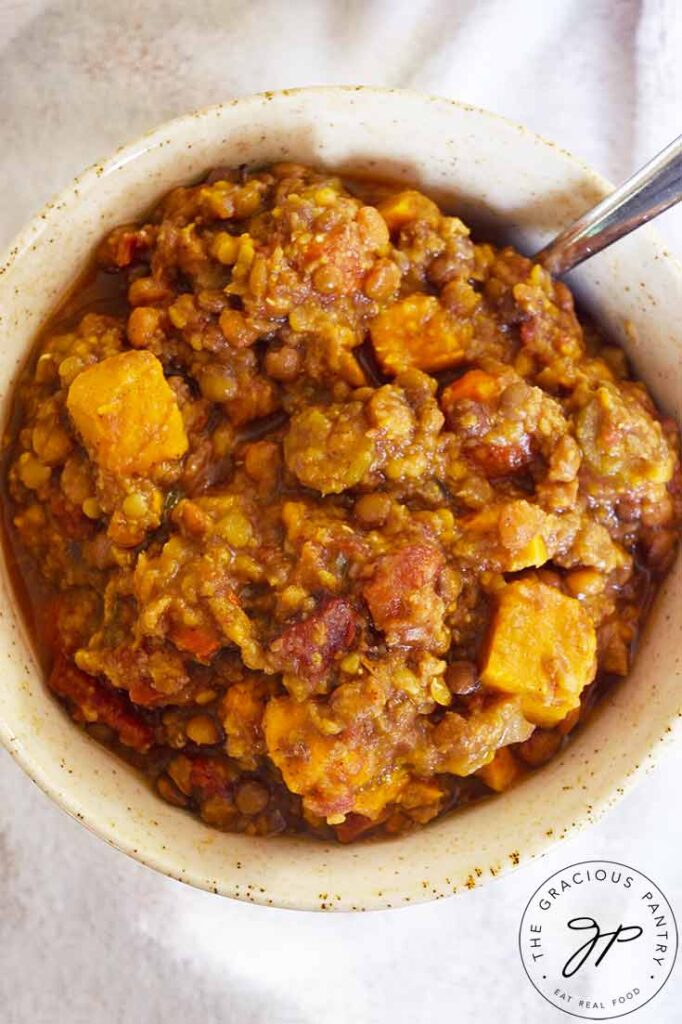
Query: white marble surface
x=87, y=935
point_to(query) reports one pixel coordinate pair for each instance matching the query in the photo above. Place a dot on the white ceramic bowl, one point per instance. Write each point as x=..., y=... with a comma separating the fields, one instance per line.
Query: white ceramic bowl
x=506, y=180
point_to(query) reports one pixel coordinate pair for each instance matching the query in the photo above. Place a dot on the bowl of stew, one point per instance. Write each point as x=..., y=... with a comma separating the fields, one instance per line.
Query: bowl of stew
x=339, y=540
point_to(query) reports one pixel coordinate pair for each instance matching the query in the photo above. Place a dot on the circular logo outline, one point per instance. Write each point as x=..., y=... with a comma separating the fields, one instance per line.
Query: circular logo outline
x=583, y=863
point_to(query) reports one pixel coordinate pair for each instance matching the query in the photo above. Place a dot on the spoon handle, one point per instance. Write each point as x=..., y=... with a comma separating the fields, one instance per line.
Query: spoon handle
x=654, y=188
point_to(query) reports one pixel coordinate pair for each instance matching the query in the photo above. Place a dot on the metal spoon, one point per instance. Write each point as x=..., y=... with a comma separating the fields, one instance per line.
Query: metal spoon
x=650, y=191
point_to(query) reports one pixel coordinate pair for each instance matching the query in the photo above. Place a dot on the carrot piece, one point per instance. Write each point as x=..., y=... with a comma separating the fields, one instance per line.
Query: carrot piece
x=476, y=385
x=197, y=640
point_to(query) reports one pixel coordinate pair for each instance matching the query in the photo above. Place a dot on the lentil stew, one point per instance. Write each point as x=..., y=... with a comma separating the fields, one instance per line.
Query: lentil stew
x=330, y=519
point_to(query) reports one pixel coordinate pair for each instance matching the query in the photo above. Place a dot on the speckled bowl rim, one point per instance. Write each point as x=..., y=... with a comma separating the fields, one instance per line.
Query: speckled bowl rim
x=163, y=859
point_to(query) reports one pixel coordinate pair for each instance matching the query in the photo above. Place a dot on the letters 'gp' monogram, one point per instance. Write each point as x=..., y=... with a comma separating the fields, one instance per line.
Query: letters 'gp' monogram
x=598, y=939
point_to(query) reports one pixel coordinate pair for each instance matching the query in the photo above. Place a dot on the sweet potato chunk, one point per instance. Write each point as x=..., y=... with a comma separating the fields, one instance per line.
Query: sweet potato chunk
x=542, y=647
x=338, y=764
x=405, y=207
x=417, y=332
x=127, y=414
x=506, y=536
x=500, y=773
x=475, y=385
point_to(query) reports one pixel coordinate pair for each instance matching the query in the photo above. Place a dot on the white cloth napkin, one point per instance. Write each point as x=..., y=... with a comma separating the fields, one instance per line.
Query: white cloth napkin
x=78, y=77
x=658, y=110
x=87, y=935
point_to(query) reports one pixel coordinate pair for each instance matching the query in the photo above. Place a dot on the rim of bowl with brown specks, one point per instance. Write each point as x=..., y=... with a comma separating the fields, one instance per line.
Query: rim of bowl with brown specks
x=496, y=174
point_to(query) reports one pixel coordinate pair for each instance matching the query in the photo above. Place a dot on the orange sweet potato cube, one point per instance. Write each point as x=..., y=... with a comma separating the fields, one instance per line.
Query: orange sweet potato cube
x=416, y=332
x=512, y=531
x=476, y=385
x=127, y=414
x=541, y=647
x=501, y=772
x=405, y=207
x=336, y=772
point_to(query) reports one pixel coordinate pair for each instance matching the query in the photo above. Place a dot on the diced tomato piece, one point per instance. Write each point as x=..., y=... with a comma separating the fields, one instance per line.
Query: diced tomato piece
x=501, y=459
x=309, y=647
x=122, y=245
x=354, y=826
x=401, y=594
x=210, y=777
x=483, y=390
x=94, y=701
x=339, y=248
